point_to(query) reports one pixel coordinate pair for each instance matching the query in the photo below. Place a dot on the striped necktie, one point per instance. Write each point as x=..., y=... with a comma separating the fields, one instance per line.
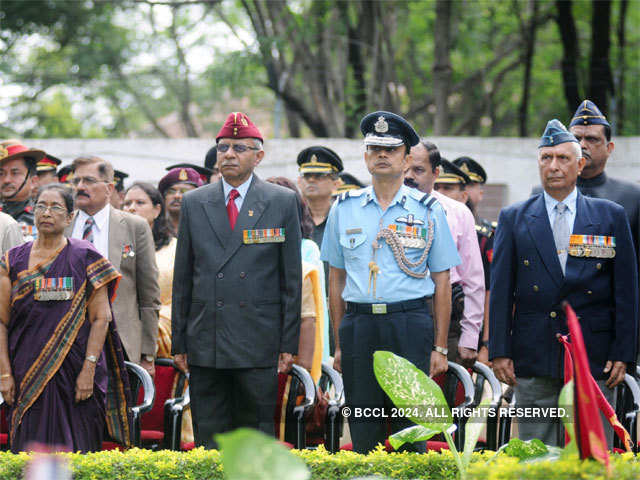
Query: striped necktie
x=87, y=233
x=561, y=234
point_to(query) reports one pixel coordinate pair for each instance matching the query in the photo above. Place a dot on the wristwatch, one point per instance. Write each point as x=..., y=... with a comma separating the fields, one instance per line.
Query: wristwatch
x=91, y=358
x=443, y=351
x=148, y=358
x=484, y=344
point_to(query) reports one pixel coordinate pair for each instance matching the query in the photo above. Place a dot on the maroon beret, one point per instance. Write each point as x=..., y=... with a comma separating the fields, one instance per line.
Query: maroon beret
x=179, y=175
x=238, y=125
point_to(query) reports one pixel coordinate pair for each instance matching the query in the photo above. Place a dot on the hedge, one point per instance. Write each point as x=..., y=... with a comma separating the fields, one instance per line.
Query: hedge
x=204, y=465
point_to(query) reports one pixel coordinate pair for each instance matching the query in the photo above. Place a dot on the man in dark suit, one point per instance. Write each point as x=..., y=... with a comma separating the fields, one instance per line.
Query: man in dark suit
x=560, y=245
x=236, y=289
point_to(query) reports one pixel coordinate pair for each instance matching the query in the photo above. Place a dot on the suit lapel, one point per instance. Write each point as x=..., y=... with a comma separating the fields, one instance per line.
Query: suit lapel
x=117, y=233
x=216, y=212
x=542, y=237
x=583, y=225
x=252, y=209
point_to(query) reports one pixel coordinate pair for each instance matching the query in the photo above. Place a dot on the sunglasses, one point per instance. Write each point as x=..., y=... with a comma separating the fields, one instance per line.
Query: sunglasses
x=237, y=147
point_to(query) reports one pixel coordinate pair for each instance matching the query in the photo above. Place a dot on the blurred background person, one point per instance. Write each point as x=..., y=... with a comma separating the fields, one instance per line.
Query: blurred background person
x=210, y=160
x=54, y=372
x=117, y=198
x=10, y=233
x=45, y=173
x=172, y=187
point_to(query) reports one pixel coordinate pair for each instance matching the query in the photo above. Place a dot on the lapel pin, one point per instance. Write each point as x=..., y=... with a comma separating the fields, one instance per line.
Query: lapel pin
x=251, y=213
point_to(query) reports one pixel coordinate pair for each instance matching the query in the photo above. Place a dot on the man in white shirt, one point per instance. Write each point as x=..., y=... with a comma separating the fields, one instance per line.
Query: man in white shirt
x=126, y=240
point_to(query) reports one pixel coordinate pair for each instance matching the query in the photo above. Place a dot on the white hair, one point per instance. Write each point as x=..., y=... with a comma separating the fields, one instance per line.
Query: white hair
x=578, y=150
x=257, y=143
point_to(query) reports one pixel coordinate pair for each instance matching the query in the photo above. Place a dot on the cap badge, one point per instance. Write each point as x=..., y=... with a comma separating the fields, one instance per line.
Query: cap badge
x=381, y=126
x=243, y=121
x=464, y=168
x=314, y=159
x=251, y=213
x=183, y=175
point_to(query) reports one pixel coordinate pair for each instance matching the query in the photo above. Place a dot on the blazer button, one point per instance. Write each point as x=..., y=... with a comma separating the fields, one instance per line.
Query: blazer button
x=220, y=303
x=599, y=266
x=553, y=314
x=220, y=275
x=526, y=263
x=242, y=274
x=589, y=292
x=535, y=288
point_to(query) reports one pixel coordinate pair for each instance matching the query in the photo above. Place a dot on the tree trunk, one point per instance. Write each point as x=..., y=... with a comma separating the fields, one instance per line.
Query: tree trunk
x=569, y=37
x=618, y=120
x=600, y=78
x=529, y=46
x=442, y=66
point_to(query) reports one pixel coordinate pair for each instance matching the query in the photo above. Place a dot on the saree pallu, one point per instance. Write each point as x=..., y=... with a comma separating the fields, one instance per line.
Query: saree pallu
x=47, y=348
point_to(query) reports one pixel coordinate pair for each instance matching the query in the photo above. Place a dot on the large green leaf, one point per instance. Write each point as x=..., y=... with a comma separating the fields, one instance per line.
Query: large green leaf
x=411, y=390
x=417, y=433
x=472, y=430
x=251, y=454
x=565, y=400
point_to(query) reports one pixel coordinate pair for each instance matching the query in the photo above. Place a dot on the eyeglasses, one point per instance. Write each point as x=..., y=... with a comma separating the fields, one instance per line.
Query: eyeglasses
x=40, y=208
x=237, y=147
x=87, y=180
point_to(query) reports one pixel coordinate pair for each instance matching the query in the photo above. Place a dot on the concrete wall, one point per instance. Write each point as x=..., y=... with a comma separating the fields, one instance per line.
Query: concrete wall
x=508, y=161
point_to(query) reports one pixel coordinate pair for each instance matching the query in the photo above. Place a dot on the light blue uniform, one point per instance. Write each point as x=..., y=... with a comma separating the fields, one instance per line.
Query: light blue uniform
x=353, y=223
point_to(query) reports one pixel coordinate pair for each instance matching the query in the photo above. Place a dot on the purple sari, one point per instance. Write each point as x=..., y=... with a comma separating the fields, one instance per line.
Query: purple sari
x=47, y=347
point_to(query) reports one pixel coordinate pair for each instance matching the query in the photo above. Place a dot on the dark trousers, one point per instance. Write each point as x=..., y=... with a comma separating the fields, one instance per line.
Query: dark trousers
x=408, y=334
x=226, y=399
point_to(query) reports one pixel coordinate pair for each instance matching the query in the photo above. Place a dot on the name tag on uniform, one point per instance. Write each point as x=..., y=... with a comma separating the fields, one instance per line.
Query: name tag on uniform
x=593, y=246
x=264, y=235
x=410, y=236
x=353, y=231
x=55, y=288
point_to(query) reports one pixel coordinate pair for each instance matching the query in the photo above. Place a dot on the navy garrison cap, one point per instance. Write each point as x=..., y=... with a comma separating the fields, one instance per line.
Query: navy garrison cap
x=472, y=168
x=588, y=114
x=387, y=129
x=555, y=134
x=211, y=158
x=319, y=159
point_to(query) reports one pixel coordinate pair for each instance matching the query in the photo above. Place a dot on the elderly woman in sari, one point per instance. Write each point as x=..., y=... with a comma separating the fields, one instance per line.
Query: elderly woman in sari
x=61, y=361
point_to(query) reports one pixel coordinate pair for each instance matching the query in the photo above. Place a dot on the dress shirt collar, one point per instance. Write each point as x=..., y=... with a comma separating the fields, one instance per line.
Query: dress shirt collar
x=100, y=219
x=400, y=197
x=242, y=189
x=570, y=201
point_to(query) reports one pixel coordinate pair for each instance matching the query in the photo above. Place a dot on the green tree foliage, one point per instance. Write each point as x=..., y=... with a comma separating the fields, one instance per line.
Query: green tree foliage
x=175, y=67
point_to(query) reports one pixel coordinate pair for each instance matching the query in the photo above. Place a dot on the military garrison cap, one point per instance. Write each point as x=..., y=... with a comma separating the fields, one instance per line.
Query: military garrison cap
x=472, y=168
x=555, y=134
x=588, y=114
x=319, y=159
x=118, y=180
x=449, y=173
x=387, y=129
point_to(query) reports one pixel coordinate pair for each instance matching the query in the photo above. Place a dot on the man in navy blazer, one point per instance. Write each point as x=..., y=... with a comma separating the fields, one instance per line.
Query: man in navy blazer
x=560, y=245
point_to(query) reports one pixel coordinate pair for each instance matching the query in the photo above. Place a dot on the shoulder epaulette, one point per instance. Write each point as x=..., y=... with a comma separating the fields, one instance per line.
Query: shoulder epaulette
x=429, y=201
x=350, y=194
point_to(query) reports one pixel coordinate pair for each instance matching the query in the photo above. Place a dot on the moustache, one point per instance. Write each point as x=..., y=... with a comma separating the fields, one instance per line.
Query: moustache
x=410, y=182
x=81, y=193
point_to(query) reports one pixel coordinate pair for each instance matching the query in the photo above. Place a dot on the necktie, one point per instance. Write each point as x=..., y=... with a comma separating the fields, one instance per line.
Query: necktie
x=561, y=234
x=232, y=209
x=87, y=233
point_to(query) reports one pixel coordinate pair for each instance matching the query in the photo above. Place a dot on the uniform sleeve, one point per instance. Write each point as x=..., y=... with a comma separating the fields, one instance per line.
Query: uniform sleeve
x=626, y=293
x=308, y=302
x=443, y=254
x=331, y=251
x=502, y=289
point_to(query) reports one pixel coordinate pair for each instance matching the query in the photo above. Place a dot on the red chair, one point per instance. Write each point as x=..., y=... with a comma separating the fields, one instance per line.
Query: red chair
x=4, y=425
x=157, y=426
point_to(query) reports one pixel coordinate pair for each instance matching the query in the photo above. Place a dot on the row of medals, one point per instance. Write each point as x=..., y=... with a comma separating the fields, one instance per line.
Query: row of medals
x=411, y=241
x=592, y=251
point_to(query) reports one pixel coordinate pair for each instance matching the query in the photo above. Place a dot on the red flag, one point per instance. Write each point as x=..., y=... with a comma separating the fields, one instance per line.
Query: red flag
x=591, y=441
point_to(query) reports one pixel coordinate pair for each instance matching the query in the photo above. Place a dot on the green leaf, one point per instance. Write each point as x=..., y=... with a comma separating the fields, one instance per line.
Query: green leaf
x=410, y=389
x=472, y=430
x=565, y=400
x=251, y=454
x=417, y=433
x=526, y=450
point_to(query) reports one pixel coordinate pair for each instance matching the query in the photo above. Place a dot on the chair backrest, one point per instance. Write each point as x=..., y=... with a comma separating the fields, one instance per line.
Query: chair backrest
x=299, y=403
x=486, y=375
x=627, y=408
x=167, y=381
x=457, y=376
